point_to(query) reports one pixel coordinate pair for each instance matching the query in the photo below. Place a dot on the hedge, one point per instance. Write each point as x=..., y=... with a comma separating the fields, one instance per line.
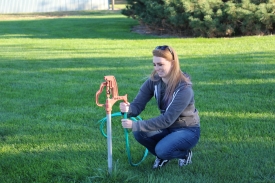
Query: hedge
x=204, y=18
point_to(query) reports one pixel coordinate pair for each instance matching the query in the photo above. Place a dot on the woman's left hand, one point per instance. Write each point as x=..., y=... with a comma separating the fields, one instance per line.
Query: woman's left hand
x=126, y=123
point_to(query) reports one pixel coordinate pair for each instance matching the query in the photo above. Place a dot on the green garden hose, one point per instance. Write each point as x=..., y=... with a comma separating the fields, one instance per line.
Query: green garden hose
x=126, y=134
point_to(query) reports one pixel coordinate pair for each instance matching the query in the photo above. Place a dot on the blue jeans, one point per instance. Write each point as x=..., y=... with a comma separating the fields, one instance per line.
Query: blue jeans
x=169, y=143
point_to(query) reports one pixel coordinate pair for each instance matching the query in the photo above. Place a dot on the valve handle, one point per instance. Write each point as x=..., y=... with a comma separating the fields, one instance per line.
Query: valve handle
x=98, y=93
x=111, y=90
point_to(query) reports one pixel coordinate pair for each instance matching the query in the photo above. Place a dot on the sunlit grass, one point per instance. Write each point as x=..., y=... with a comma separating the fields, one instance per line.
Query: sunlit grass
x=51, y=66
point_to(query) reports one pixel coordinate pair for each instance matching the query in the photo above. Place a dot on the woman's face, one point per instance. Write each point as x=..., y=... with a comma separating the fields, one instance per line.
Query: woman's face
x=162, y=67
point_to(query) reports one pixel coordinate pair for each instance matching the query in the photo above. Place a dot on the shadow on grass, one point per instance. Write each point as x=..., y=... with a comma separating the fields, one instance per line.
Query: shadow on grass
x=90, y=25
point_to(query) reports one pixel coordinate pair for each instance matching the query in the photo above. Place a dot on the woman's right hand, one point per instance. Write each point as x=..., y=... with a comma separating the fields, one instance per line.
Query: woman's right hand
x=124, y=107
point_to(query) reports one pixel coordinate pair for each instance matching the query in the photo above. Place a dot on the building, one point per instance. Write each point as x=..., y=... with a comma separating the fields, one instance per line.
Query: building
x=36, y=6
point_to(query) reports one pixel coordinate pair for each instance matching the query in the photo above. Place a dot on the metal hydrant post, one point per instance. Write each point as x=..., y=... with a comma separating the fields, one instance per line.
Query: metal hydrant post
x=111, y=90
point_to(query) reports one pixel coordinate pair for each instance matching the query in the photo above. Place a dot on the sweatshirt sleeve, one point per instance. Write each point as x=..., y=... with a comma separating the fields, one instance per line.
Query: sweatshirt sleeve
x=146, y=92
x=181, y=99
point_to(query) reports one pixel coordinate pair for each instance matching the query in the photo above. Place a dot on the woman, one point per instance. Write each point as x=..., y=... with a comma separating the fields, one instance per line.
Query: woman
x=176, y=130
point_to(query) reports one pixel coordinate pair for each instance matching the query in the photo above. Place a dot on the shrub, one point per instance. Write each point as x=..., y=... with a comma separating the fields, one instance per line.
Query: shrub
x=206, y=18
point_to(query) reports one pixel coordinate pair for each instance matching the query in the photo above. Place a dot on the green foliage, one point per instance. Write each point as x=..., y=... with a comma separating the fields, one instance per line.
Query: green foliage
x=206, y=18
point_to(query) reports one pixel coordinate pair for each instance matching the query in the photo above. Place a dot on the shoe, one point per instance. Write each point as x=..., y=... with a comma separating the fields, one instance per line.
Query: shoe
x=159, y=163
x=187, y=160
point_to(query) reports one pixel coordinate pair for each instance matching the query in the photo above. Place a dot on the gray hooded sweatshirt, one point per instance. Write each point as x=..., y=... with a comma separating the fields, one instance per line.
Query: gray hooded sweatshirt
x=179, y=112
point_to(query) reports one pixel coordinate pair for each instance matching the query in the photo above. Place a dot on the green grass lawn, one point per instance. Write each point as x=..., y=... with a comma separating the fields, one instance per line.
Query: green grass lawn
x=51, y=66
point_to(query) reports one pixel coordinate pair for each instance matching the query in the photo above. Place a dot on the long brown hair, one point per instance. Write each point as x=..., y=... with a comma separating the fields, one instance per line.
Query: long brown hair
x=176, y=75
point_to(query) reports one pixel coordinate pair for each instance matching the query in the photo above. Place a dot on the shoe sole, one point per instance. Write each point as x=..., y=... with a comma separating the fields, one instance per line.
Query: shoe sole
x=163, y=163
